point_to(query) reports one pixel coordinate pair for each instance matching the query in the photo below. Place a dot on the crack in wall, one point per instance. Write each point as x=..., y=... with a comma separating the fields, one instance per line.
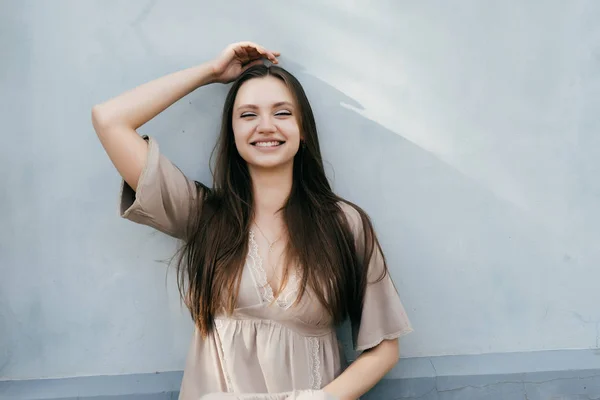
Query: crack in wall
x=525, y=391
x=588, y=321
x=436, y=375
x=523, y=383
x=144, y=13
x=481, y=386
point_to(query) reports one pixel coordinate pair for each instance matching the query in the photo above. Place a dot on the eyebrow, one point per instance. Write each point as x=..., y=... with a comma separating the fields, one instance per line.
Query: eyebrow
x=278, y=104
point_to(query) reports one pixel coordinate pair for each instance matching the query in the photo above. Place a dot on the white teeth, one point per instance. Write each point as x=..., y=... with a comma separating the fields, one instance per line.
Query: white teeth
x=267, y=144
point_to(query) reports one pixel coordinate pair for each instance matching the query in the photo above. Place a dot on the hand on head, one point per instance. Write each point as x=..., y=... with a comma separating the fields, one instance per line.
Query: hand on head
x=238, y=57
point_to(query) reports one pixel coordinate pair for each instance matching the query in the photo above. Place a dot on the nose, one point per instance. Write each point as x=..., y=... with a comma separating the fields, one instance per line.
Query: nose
x=266, y=125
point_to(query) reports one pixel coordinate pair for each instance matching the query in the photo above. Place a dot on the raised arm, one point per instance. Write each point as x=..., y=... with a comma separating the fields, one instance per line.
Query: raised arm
x=117, y=119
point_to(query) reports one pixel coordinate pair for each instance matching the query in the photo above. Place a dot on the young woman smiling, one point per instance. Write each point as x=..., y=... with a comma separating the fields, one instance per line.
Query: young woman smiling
x=271, y=259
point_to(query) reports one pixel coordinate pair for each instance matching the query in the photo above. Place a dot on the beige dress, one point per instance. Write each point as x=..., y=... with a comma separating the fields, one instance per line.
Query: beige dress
x=269, y=348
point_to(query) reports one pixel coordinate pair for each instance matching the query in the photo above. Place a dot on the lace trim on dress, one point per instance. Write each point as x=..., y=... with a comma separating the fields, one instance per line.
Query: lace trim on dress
x=287, y=296
x=219, y=327
x=290, y=292
x=315, y=378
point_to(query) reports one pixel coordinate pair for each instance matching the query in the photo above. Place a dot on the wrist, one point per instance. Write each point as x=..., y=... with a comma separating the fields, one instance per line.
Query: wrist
x=330, y=394
x=212, y=71
x=205, y=74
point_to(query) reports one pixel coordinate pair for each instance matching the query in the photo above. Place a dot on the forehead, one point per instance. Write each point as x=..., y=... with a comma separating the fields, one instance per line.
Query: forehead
x=263, y=92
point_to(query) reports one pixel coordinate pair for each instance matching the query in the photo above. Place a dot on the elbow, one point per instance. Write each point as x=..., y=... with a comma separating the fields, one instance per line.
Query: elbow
x=102, y=119
x=99, y=118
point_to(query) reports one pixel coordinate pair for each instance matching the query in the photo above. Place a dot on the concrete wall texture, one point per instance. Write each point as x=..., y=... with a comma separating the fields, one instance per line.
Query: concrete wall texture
x=468, y=130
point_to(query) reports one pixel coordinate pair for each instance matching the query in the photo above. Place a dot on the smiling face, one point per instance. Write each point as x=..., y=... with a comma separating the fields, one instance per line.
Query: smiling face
x=265, y=123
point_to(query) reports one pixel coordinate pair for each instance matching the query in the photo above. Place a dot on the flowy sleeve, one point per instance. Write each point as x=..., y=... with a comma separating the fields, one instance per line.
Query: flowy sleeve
x=164, y=196
x=383, y=314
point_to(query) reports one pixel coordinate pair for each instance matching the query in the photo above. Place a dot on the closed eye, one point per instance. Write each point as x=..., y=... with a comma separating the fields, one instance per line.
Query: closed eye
x=247, y=115
x=283, y=113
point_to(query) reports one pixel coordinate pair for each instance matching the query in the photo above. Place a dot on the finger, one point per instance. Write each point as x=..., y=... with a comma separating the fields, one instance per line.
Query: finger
x=254, y=51
x=242, y=49
x=252, y=64
x=260, y=49
x=263, y=56
x=259, y=52
x=271, y=55
x=251, y=52
x=242, y=55
x=249, y=46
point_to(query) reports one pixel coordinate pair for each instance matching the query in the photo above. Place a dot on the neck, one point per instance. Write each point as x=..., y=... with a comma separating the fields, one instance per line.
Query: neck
x=271, y=188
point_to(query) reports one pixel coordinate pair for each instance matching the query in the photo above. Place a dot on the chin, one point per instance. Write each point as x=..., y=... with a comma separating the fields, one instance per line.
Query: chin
x=269, y=161
x=273, y=166
x=270, y=164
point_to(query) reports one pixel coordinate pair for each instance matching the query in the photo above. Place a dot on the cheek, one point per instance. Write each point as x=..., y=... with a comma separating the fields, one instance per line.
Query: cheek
x=290, y=129
x=241, y=132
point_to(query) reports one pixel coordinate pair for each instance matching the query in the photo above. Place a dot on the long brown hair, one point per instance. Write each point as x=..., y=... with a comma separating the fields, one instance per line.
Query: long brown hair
x=320, y=239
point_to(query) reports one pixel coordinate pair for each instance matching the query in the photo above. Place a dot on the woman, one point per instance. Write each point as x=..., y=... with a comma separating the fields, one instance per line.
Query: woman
x=271, y=259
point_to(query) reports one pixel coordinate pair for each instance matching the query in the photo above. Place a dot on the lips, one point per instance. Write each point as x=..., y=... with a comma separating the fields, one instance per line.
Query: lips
x=267, y=143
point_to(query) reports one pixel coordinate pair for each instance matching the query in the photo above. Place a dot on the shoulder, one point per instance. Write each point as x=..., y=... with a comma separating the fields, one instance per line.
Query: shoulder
x=203, y=190
x=353, y=214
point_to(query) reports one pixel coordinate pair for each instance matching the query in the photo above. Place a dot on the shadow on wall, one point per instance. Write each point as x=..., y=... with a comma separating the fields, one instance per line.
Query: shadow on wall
x=455, y=249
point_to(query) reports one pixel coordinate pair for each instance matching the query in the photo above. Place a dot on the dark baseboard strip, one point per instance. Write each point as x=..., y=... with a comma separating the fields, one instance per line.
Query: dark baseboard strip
x=546, y=375
x=152, y=386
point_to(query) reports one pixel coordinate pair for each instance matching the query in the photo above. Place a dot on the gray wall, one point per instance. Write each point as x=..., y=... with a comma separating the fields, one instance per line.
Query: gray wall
x=468, y=130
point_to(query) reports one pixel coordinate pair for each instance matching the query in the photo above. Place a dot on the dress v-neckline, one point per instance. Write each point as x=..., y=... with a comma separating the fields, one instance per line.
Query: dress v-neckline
x=265, y=291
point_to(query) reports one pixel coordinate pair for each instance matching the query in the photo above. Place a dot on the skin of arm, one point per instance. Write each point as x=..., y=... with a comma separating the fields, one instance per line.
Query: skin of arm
x=368, y=369
x=117, y=119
